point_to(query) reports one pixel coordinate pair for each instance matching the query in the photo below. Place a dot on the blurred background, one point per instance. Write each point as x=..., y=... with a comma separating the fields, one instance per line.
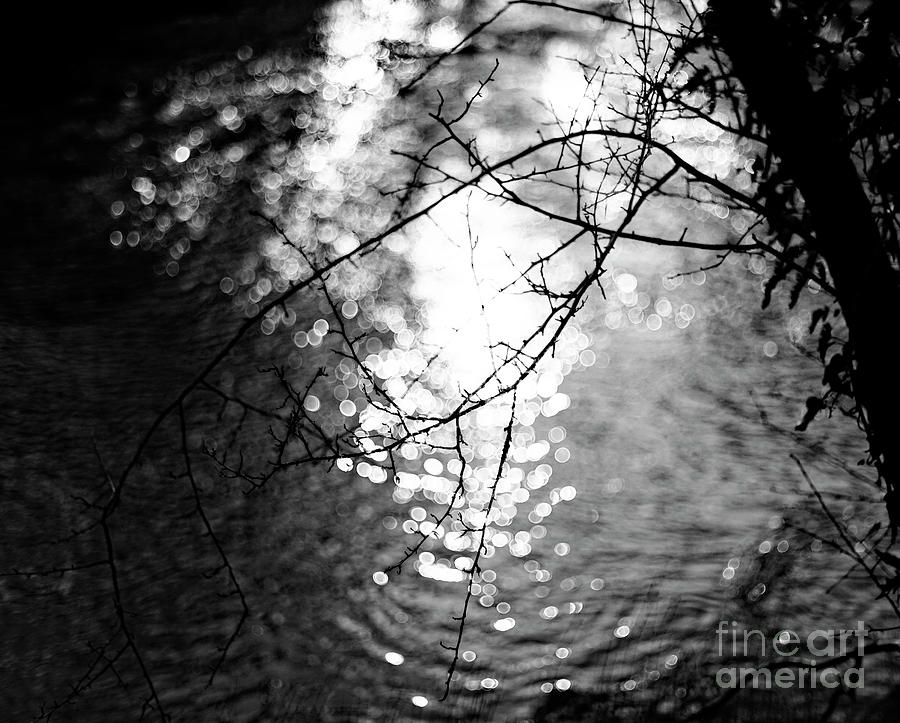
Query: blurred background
x=653, y=494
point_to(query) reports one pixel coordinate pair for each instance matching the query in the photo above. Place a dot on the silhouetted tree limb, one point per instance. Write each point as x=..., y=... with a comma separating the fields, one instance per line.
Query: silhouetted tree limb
x=808, y=130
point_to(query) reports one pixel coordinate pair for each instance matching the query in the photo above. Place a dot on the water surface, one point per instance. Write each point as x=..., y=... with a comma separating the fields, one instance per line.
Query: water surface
x=650, y=495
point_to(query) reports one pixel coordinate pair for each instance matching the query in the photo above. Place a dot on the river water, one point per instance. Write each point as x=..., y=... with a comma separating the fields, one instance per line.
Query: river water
x=651, y=493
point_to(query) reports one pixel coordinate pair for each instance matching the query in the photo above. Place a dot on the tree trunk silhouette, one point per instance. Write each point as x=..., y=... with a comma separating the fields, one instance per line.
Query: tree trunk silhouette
x=808, y=130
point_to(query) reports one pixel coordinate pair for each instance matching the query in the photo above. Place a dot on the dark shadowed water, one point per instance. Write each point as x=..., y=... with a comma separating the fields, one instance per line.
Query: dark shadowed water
x=652, y=495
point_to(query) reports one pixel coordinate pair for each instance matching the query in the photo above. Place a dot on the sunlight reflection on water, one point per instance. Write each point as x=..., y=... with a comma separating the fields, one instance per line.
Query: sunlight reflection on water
x=313, y=139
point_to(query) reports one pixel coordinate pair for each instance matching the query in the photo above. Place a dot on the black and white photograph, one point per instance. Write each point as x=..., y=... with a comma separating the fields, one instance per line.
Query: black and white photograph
x=450, y=360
